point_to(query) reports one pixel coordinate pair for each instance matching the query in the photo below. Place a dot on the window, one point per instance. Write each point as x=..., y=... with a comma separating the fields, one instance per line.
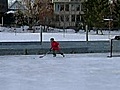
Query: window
x=67, y=18
x=57, y=17
x=67, y=7
x=77, y=7
x=73, y=18
x=82, y=7
x=62, y=7
x=62, y=18
x=78, y=18
x=72, y=7
x=57, y=7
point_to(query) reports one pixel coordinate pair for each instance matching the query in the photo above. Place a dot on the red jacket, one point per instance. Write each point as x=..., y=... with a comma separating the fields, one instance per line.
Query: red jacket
x=55, y=45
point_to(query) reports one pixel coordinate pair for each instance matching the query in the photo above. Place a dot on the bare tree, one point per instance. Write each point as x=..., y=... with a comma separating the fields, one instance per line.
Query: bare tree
x=38, y=11
x=45, y=12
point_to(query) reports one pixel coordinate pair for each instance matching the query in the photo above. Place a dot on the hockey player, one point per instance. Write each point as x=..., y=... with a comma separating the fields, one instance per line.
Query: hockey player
x=55, y=47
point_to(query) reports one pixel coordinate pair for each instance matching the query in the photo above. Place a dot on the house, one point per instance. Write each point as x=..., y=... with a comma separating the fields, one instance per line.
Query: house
x=3, y=9
x=3, y=6
x=67, y=12
x=9, y=17
x=17, y=5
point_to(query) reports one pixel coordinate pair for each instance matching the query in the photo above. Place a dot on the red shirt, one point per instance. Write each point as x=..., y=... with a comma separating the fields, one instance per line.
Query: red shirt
x=55, y=45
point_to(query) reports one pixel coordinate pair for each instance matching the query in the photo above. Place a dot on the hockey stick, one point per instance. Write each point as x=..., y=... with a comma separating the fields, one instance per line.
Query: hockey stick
x=45, y=54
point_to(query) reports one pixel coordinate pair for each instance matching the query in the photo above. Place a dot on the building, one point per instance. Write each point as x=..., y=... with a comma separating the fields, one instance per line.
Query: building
x=67, y=12
x=17, y=5
x=3, y=9
x=3, y=6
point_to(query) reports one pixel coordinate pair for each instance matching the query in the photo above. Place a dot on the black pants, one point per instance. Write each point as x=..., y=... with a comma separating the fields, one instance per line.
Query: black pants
x=57, y=51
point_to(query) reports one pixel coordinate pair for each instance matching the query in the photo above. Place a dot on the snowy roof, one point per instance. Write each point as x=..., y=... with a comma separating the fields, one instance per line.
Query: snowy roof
x=17, y=5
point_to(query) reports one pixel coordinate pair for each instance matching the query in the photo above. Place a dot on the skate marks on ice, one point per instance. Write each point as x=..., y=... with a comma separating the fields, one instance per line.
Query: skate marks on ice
x=102, y=56
x=73, y=72
x=74, y=56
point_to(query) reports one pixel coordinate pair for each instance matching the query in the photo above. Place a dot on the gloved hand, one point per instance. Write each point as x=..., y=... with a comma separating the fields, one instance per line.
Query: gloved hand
x=50, y=49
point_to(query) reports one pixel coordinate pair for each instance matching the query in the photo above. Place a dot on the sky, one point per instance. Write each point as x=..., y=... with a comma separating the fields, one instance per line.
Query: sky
x=11, y=1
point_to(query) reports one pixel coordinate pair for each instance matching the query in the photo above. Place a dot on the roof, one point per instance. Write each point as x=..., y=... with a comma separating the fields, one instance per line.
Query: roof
x=17, y=6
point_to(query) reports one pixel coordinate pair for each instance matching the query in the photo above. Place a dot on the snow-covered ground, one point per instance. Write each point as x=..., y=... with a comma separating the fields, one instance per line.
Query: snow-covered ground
x=9, y=34
x=73, y=72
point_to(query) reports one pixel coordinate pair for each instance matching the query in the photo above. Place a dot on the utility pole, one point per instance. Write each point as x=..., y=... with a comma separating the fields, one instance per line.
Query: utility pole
x=110, y=24
x=110, y=17
x=2, y=20
x=86, y=27
x=86, y=32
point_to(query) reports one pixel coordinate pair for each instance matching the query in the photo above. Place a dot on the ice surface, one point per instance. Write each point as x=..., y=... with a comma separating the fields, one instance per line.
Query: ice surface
x=73, y=72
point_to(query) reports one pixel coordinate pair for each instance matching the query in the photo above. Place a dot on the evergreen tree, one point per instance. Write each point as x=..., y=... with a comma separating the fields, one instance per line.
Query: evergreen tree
x=95, y=11
x=116, y=13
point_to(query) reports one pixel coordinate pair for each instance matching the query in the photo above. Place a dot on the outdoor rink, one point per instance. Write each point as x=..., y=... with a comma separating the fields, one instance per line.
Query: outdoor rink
x=94, y=71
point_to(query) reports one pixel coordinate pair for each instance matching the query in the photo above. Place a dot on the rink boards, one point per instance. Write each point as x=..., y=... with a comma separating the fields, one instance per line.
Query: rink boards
x=27, y=48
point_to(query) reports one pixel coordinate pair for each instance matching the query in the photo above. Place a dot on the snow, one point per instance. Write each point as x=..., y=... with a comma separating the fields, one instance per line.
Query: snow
x=36, y=37
x=90, y=71
x=17, y=35
x=73, y=72
x=10, y=12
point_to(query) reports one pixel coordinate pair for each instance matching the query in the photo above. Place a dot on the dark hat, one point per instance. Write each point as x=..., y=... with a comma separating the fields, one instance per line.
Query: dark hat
x=52, y=39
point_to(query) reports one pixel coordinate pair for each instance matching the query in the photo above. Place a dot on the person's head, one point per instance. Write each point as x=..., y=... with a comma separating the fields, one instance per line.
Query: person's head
x=51, y=39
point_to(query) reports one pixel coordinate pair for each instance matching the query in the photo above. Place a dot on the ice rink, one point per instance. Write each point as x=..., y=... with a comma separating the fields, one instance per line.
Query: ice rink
x=73, y=72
